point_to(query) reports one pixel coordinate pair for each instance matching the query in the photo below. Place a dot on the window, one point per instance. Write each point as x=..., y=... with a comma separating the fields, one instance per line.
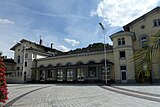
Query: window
x=42, y=75
x=144, y=42
x=18, y=74
x=26, y=55
x=155, y=22
x=80, y=74
x=122, y=54
x=18, y=59
x=69, y=74
x=103, y=73
x=17, y=68
x=121, y=41
x=158, y=22
x=25, y=64
x=60, y=75
x=123, y=67
x=92, y=71
x=50, y=73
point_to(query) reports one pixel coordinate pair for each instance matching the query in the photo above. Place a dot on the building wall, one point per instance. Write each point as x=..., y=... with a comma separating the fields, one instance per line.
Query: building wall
x=148, y=30
x=127, y=60
x=85, y=58
x=19, y=52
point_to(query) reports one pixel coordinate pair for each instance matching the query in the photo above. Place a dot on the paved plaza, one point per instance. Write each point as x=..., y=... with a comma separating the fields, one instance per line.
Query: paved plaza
x=82, y=95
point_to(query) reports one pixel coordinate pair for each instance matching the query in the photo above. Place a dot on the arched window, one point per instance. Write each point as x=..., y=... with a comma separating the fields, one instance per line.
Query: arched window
x=123, y=41
x=18, y=59
x=144, y=42
x=119, y=41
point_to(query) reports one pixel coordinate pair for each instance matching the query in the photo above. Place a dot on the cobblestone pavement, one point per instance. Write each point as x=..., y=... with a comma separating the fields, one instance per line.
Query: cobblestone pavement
x=154, y=89
x=82, y=95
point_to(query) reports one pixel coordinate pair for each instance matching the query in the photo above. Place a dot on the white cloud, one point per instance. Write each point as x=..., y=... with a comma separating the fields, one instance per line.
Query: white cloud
x=6, y=21
x=72, y=42
x=121, y=12
x=62, y=48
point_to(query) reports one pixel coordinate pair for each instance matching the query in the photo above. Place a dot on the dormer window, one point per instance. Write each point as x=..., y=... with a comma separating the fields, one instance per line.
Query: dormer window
x=121, y=41
x=144, y=42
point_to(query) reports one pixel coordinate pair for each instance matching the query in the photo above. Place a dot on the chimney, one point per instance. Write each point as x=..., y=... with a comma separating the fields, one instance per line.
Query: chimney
x=51, y=45
x=40, y=42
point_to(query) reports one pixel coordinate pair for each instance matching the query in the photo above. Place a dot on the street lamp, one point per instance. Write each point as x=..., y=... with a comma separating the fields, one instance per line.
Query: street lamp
x=23, y=71
x=105, y=63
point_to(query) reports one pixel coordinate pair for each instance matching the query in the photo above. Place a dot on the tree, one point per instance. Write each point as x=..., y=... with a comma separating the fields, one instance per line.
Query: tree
x=145, y=57
x=3, y=84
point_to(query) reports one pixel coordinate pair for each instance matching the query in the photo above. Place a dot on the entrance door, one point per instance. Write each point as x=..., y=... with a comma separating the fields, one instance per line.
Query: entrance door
x=123, y=77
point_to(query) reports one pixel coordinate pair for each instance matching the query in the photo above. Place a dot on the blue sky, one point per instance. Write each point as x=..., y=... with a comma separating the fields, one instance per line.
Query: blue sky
x=68, y=24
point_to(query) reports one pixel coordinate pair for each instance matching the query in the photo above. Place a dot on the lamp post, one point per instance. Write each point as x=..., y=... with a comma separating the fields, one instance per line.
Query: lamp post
x=105, y=63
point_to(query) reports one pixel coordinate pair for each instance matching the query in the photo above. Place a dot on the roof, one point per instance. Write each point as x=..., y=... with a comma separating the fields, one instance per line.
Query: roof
x=126, y=27
x=121, y=33
x=40, y=51
x=41, y=46
x=8, y=61
x=91, y=48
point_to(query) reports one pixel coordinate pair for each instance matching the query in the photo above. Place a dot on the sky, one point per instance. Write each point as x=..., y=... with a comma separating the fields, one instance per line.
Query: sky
x=68, y=24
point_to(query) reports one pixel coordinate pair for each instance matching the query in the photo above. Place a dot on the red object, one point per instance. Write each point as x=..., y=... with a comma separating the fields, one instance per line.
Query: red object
x=3, y=84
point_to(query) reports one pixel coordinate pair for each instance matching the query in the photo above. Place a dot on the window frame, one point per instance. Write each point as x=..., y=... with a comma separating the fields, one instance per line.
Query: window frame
x=155, y=24
x=144, y=41
x=25, y=64
x=123, y=41
x=122, y=55
x=158, y=21
x=18, y=59
x=119, y=41
x=92, y=71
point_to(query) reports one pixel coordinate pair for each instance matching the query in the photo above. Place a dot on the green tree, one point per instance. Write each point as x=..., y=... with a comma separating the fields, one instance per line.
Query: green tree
x=145, y=57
